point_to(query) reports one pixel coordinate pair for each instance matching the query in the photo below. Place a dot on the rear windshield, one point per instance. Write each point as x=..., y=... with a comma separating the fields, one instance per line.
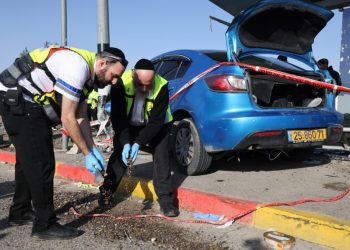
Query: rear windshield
x=219, y=56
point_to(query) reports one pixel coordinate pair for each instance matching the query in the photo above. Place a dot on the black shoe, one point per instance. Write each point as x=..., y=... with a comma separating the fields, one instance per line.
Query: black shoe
x=27, y=219
x=170, y=211
x=106, y=197
x=57, y=232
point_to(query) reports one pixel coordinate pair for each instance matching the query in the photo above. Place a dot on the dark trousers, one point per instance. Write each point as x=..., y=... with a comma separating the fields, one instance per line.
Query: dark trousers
x=161, y=167
x=31, y=135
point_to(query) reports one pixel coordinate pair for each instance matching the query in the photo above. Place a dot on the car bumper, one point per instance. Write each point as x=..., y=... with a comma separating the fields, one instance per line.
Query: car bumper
x=261, y=141
x=225, y=133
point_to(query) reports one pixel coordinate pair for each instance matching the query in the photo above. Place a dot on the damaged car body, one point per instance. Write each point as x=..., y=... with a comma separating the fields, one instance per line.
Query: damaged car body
x=234, y=109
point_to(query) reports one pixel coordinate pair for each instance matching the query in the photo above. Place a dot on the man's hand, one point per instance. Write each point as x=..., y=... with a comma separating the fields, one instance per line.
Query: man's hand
x=126, y=153
x=93, y=164
x=134, y=152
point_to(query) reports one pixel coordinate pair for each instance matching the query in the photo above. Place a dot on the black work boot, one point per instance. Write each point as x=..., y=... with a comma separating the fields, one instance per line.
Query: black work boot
x=56, y=231
x=26, y=219
x=169, y=210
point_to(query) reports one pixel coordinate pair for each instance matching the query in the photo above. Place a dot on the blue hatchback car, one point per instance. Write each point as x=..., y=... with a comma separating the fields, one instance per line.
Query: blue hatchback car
x=231, y=108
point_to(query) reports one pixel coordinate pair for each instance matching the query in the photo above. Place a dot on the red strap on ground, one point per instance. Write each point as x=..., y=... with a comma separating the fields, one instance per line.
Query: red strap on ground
x=264, y=70
x=218, y=223
x=291, y=203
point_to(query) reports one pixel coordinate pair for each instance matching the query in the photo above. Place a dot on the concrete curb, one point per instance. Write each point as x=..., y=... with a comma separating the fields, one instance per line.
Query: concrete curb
x=316, y=228
x=321, y=229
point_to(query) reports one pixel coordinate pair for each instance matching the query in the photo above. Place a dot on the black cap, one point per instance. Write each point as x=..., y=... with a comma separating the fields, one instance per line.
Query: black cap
x=118, y=54
x=144, y=64
x=323, y=61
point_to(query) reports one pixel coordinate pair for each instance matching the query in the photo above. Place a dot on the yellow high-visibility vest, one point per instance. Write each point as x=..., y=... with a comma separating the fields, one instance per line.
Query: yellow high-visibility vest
x=159, y=82
x=39, y=56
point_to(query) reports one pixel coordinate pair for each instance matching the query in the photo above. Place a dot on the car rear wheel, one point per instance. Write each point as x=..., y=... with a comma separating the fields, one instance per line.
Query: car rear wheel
x=190, y=155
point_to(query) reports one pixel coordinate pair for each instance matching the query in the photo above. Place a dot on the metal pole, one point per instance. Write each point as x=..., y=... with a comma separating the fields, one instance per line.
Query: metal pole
x=64, y=43
x=102, y=24
x=102, y=44
x=64, y=23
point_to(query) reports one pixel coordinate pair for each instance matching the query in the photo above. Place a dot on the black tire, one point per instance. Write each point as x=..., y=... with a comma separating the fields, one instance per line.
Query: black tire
x=188, y=150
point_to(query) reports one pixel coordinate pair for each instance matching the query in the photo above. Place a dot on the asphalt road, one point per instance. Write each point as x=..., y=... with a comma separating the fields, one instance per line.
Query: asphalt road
x=107, y=234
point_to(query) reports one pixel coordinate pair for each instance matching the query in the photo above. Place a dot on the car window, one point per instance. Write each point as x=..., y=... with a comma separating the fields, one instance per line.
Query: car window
x=156, y=65
x=183, y=68
x=172, y=69
x=168, y=69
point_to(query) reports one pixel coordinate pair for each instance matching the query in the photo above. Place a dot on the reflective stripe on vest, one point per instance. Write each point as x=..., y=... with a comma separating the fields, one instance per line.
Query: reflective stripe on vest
x=159, y=82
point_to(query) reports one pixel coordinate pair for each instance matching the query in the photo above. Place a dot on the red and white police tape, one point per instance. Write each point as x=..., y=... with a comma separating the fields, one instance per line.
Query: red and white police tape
x=264, y=70
x=260, y=69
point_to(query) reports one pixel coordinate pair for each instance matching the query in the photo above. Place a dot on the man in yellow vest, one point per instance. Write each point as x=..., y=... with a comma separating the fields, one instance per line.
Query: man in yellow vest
x=40, y=90
x=140, y=115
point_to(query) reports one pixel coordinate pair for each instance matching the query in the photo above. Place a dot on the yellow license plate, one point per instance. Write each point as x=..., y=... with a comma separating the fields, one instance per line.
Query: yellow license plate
x=297, y=136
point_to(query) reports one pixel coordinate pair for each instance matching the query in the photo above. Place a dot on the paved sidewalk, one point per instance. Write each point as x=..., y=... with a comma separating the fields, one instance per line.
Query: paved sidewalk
x=232, y=188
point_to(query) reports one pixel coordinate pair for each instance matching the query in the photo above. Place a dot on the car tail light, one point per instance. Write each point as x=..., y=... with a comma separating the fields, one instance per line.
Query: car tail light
x=227, y=83
x=337, y=130
x=267, y=133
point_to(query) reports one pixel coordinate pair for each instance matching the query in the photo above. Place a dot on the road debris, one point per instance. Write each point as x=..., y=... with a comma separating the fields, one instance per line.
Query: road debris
x=278, y=241
x=213, y=217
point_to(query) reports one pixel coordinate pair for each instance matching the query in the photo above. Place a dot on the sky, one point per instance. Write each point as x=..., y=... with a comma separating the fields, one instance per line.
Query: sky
x=142, y=29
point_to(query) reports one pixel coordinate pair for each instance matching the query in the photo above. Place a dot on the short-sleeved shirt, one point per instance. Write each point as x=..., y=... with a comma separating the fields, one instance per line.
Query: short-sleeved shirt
x=70, y=70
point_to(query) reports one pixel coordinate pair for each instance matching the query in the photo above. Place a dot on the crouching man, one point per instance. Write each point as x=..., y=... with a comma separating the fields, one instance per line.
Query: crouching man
x=140, y=115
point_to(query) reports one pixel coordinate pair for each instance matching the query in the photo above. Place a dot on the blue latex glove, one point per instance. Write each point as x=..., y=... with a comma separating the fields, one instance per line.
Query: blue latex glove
x=108, y=108
x=92, y=163
x=134, y=152
x=99, y=157
x=126, y=153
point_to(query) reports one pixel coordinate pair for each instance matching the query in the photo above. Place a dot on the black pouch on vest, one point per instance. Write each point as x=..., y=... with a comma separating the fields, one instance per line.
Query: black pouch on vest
x=21, y=66
x=7, y=79
x=25, y=64
x=14, y=100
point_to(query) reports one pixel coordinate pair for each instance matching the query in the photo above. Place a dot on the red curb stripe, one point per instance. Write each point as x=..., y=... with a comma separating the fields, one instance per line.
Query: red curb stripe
x=76, y=173
x=8, y=157
x=187, y=199
x=215, y=204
